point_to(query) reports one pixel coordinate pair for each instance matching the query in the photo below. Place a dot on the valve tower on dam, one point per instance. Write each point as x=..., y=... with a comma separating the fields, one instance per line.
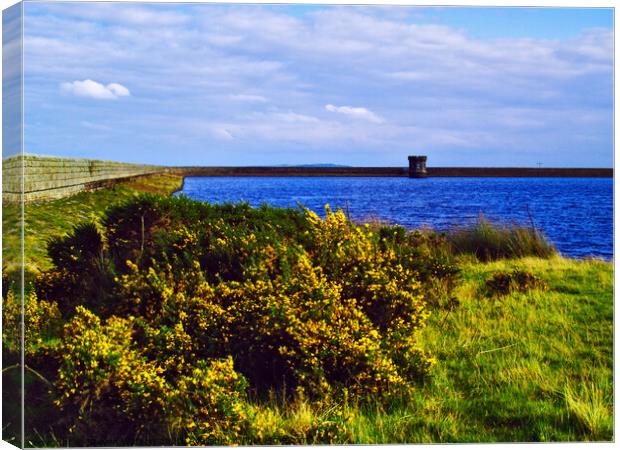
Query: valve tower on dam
x=417, y=167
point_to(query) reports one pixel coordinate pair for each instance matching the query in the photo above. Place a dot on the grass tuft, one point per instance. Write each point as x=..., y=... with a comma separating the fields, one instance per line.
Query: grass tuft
x=590, y=408
x=489, y=241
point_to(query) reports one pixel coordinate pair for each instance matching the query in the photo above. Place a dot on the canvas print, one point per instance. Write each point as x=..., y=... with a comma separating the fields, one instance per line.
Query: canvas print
x=258, y=224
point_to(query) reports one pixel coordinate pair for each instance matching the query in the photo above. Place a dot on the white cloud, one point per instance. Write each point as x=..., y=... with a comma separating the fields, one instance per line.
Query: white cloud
x=357, y=112
x=92, y=89
x=118, y=89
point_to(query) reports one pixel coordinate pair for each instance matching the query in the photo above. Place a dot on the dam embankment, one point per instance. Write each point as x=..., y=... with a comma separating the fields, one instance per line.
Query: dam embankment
x=275, y=171
x=289, y=171
x=520, y=172
x=48, y=178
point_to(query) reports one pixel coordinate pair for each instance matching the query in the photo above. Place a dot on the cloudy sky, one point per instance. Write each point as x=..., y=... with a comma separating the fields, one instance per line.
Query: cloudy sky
x=296, y=84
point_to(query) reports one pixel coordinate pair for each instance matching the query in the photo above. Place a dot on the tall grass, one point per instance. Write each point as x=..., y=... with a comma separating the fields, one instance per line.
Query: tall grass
x=589, y=406
x=491, y=241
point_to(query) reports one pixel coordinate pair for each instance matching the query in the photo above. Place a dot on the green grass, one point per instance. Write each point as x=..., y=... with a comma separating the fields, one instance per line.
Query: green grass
x=55, y=218
x=505, y=363
x=534, y=366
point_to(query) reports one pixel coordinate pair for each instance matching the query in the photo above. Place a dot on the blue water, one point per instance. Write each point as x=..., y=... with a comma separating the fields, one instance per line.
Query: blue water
x=576, y=214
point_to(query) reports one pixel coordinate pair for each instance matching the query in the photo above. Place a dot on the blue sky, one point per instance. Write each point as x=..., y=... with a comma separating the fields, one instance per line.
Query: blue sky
x=254, y=84
x=11, y=81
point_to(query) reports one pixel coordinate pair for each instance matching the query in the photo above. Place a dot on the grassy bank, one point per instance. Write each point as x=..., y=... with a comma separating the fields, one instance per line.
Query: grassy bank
x=437, y=345
x=528, y=366
x=47, y=219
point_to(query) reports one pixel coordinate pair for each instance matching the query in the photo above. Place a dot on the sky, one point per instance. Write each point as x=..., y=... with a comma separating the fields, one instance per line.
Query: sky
x=200, y=84
x=11, y=81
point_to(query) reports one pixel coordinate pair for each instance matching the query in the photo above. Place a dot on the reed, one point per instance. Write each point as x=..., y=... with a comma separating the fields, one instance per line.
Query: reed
x=490, y=241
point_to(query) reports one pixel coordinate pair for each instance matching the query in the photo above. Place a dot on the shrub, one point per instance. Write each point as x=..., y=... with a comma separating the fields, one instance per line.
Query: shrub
x=41, y=322
x=208, y=404
x=503, y=283
x=107, y=390
x=488, y=241
x=82, y=276
x=297, y=331
x=177, y=309
x=11, y=323
x=429, y=254
x=110, y=392
x=7, y=281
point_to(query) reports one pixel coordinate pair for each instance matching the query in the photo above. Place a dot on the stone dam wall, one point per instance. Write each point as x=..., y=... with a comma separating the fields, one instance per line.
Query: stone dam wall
x=275, y=171
x=549, y=172
x=47, y=178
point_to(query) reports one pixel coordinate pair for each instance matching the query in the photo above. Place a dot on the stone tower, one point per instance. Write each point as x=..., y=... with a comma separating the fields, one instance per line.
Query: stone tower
x=417, y=167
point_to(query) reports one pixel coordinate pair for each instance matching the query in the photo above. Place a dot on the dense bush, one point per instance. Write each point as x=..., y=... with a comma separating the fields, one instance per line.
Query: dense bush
x=41, y=322
x=178, y=312
x=73, y=256
x=105, y=386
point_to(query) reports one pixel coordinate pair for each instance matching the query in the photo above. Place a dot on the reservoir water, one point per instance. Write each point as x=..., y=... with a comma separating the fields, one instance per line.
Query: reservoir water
x=576, y=214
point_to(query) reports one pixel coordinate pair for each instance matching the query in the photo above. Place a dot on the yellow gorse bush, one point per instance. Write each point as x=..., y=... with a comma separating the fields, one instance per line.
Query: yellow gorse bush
x=41, y=321
x=209, y=404
x=205, y=305
x=103, y=379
